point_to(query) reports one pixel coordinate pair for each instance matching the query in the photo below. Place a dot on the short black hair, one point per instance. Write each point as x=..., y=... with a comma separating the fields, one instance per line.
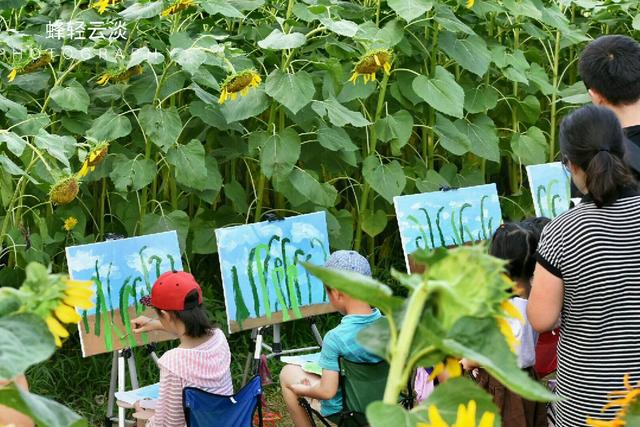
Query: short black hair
x=517, y=244
x=194, y=317
x=536, y=224
x=611, y=65
x=591, y=137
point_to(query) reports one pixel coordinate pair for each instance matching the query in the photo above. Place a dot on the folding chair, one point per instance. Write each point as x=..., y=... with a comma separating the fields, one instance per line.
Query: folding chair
x=204, y=409
x=361, y=384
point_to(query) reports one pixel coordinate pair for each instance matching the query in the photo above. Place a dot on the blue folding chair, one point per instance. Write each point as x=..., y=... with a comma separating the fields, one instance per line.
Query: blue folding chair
x=204, y=409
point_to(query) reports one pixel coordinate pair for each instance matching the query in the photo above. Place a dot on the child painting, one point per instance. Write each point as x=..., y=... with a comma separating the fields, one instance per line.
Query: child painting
x=339, y=342
x=201, y=360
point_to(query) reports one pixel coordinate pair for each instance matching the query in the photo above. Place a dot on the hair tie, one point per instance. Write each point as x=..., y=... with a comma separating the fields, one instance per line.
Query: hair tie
x=604, y=149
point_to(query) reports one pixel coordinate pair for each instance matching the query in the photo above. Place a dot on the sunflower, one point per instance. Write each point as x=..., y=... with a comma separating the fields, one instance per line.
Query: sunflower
x=102, y=5
x=466, y=417
x=93, y=159
x=70, y=223
x=76, y=293
x=64, y=191
x=625, y=400
x=451, y=366
x=239, y=83
x=32, y=64
x=119, y=75
x=470, y=3
x=370, y=64
x=176, y=7
x=509, y=311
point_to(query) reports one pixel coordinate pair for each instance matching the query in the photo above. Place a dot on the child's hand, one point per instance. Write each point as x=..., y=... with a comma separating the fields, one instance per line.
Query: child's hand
x=302, y=388
x=145, y=324
x=468, y=365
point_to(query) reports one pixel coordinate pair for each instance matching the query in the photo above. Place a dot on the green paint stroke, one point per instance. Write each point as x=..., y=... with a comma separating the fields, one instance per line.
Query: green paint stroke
x=242, y=312
x=145, y=271
x=261, y=270
x=283, y=250
x=485, y=235
x=465, y=206
x=539, y=198
x=125, y=295
x=252, y=282
x=172, y=262
x=85, y=322
x=296, y=261
x=291, y=281
x=158, y=261
x=440, y=233
x=111, y=310
x=275, y=278
x=426, y=214
x=457, y=239
x=422, y=236
x=550, y=196
x=101, y=307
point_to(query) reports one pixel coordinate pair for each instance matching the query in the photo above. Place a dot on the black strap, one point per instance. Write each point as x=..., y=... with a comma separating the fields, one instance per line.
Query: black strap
x=311, y=412
x=259, y=399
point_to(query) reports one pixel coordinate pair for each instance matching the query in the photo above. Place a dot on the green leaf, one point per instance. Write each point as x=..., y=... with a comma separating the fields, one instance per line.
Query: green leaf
x=398, y=126
x=245, y=107
x=141, y=11
x=176, y=220
x=459, y=391
x=14, y=111
x=441, y=92
x=450, y=138
x=388, y=179
x=335, y=139
x=277, y=40
x=482, y=133
x=358, y=286
x=339, y=115
x=210, y=114
x=43, y=411
x=188, y=160
x=340, y=225
x=635, y=24
x=24, y=341
x=222, y=7
x=140, y=55
x=530, y=108
x=480, y=99
x=529, y=148
x=320, y=194
x=480, y=340
x=470, y=52
x=9, y=166
x=279, y=153
x=235, y=192
x=73, y=97
x=341, y=26
x=433, y=181
x=189, y=59
x=410, y=9
x=15, y=143
x=374, y=223
x=109, y=126
x=57, y=146
x=380, y=414
x=162, y=126
x=446, y=18
x=294, y=91
x=136, y=173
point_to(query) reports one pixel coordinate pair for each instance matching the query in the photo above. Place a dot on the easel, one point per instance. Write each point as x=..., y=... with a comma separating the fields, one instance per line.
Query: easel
x=118, y=377
x=275, y=349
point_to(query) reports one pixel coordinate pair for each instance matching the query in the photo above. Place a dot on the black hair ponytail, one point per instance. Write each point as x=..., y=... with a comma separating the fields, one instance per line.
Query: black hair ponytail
x=194, y=317
x=592, y=138
x=517, y=244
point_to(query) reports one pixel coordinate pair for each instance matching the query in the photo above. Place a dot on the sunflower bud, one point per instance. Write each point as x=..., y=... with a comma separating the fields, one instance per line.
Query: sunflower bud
x=370, y=64
x=64, y=191
x=239, y=83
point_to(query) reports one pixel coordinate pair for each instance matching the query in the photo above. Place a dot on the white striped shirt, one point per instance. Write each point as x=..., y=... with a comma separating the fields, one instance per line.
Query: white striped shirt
x=596, y=253
x=206, y=366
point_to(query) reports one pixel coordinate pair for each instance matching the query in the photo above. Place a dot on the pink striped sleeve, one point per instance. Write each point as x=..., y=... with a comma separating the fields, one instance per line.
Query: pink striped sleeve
x=169, y=412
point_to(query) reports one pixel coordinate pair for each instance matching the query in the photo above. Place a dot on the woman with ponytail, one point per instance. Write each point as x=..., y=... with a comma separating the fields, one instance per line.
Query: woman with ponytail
x=587, y=276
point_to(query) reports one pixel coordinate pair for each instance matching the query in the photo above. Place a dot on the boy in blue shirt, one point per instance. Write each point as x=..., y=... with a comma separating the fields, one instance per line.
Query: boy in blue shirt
x=338, y=342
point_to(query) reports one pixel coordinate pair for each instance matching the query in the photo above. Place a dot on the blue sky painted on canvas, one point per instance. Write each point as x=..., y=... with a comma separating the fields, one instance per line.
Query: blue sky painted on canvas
x=120, y=259
x=550, y=188
x=236, y=243
x=444, y=209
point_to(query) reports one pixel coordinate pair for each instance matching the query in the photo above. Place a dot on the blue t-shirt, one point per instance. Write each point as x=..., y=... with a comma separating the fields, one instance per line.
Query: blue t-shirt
x=341, y=342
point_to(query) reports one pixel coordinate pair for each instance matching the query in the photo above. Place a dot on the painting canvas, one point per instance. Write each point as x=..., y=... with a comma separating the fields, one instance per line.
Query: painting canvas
x=447, y=218
x=122, y=272
x=263, y=280
x=550, y=185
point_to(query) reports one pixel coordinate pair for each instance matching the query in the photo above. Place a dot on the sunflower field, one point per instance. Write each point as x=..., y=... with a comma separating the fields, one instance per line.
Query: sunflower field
x=130, y=117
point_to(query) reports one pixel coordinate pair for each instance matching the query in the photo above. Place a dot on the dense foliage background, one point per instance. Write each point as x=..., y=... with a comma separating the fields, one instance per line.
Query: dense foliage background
x=475, y=92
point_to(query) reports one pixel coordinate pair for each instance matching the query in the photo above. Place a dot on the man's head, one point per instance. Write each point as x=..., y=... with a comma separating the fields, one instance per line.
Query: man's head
x=610, y=69
x=346, y=261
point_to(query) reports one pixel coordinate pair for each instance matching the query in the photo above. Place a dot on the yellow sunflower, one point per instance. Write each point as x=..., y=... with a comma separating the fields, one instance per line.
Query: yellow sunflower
x=470, y=3
x=466, y=417
x=37, y=62
x=509, y=311
x=64, y=191
x=370, y=64
x=93, y=159
x=623, y=399
x=451, y=366
x=239, y=83
x=176, y=7
x=102, y=5
x=77, y=294
x=119, y=75
x=70, y=223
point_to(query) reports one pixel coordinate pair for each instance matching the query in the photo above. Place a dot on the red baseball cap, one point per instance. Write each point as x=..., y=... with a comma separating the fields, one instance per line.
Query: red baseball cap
x=171, y=289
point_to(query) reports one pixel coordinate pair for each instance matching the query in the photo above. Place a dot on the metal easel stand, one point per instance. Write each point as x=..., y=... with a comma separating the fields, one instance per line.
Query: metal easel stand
x=118, y=377
x=275, y=349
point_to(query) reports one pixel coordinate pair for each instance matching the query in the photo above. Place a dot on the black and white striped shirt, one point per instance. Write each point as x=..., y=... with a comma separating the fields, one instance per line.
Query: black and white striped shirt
x=596, y=252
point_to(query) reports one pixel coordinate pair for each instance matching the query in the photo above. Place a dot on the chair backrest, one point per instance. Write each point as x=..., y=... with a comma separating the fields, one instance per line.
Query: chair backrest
x=362, y=383
x=204, y=409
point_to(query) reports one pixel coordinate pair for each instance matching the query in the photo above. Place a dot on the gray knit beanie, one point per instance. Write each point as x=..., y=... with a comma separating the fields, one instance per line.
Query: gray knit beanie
x=349, y=261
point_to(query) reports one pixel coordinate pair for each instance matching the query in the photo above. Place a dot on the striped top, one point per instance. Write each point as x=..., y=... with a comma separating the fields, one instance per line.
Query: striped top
x=596, y=253
x=206, y=366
